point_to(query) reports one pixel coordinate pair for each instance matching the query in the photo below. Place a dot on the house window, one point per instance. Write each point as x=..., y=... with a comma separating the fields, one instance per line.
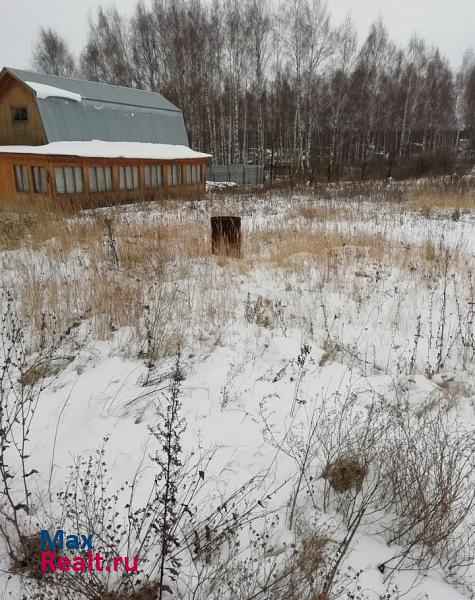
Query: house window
x=40, y=180
x=152, y=176
x=19, y=114
x=21, y=178
x=193, y=174
x=69, y=180
x=100, y=179
x=174, y=175
x=128, y=178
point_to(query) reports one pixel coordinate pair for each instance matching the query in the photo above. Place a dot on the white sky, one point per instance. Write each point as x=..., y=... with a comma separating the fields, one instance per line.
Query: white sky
x=448, y=24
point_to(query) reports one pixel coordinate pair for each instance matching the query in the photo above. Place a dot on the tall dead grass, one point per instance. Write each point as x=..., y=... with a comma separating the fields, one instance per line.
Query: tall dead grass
x=339, y=252
x=320, y=213
x=426, y=201
x=110, y=269
x=105, y=267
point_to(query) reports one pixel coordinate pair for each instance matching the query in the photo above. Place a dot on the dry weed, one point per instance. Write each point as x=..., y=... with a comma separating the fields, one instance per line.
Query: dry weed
x=27, y=560
x=328, y=352
x=427, y=201
x=320, y=213
x=345, y=473
x=148, y=591
x=313, y=553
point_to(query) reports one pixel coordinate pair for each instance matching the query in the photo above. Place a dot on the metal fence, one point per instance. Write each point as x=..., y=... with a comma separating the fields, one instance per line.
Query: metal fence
x=237, y=173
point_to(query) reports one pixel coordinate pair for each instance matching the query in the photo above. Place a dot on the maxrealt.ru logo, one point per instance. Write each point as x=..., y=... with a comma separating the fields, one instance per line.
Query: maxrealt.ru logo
x=85, y=560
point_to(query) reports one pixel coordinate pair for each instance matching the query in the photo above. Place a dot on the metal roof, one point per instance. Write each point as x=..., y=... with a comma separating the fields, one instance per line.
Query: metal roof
x=106, y=112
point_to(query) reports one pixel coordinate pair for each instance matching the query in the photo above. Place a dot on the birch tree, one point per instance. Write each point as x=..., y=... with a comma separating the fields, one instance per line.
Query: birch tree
x=252, y=76
x=51, y=54
x=107, y=57
x=257, y=17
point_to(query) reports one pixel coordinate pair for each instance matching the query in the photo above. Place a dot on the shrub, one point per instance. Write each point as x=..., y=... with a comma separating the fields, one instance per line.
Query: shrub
x=148, y=591
x=345, y=473
x=27, y=559
x=313, y=553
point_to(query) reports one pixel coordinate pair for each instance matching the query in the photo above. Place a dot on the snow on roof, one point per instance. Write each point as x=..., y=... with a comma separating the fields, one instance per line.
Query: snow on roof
x=46, y=91
x=100, y=149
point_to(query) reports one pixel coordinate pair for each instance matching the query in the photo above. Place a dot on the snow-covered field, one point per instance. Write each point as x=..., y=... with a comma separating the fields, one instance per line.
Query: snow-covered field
x=343, y=338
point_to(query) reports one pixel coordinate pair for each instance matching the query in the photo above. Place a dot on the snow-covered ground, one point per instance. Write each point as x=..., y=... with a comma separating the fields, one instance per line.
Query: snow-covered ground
x=340, y=315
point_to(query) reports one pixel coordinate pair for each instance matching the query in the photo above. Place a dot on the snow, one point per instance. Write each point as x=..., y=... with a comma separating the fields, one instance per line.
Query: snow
x=44, y=91
x=236, y=371
x=220, y=185
x=102, y=149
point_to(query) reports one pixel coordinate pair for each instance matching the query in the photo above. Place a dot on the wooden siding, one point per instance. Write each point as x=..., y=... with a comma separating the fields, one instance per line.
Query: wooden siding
x=28, y=133
x=9, y=193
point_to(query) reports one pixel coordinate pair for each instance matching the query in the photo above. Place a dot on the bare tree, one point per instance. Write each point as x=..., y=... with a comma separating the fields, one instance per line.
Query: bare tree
x=145, y=47
x=256, y=82
x=257, y=17
x=466, y=94
x=106, y=57
x=51, y=54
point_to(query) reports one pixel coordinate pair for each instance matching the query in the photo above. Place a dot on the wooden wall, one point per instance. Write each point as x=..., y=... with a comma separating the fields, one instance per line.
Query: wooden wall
x=30, y=132
x=9, y=194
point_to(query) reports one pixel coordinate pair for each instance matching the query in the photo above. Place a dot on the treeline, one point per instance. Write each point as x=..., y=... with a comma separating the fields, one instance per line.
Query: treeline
x=281, y=84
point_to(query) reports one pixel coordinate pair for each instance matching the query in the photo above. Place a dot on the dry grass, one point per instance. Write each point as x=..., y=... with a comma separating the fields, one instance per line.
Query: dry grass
x=328, y=352
x=278, y=245
x=32, y=231
x=332, y=251
x=345, y=473
x=441, y=200
x=27, y=559
x=148, y=591
x=429, y=251
x=29, y=223
x=148, y=244
x=320, y=213
x=339, y=252
x=103, y=267
x=42, y=369
x=313, y=553
x=108, y=302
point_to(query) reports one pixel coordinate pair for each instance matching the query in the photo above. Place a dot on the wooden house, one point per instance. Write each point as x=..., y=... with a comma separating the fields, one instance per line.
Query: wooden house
x=89, y=143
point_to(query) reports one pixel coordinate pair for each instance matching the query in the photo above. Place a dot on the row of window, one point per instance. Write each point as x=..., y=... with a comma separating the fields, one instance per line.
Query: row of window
x=69, y=180
x=40, y=179
x=193, y=174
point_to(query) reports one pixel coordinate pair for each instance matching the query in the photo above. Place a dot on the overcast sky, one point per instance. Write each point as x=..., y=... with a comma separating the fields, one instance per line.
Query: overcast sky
x=449, y=24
